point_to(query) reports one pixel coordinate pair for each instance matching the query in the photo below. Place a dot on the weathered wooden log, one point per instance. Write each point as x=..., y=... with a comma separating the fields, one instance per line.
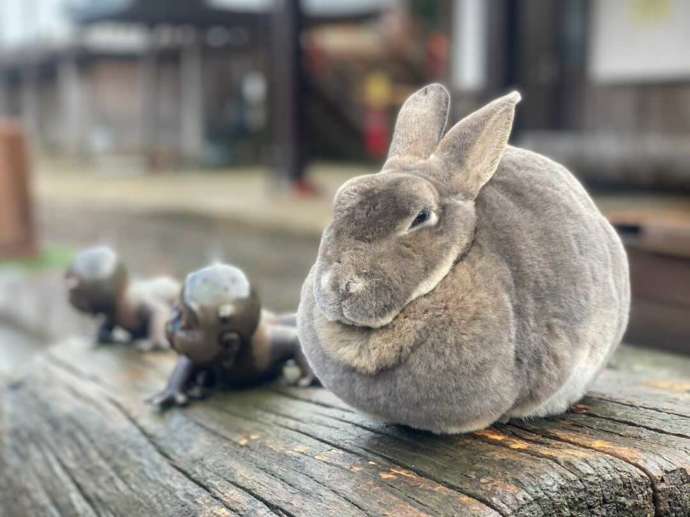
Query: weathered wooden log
x=78, y=439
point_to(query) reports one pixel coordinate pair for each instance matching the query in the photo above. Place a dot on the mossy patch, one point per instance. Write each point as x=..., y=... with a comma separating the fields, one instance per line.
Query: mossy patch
x=50, y=257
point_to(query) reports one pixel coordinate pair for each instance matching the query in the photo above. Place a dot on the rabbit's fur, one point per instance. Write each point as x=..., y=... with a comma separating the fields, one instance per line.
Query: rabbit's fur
x=505, y=301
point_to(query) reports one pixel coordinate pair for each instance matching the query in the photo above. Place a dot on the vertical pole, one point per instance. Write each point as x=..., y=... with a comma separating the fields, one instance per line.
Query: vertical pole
x=28, y=83
x=192, y=114
x=4, y=94
x=30, y=109
x=572, y=36
x=71, y=104
x=469, y=60
x=287, y=85
x=469, y=70
x=147, y=95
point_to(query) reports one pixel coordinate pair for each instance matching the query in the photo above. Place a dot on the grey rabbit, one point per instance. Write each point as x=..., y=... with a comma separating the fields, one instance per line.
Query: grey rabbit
x=468, y=282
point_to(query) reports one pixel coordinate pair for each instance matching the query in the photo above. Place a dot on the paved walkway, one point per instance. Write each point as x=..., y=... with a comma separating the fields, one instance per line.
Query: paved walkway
x=243, y=195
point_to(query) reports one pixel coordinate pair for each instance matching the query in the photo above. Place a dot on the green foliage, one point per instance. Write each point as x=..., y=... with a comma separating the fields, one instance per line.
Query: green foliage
x=51, y=257
x=430, y=11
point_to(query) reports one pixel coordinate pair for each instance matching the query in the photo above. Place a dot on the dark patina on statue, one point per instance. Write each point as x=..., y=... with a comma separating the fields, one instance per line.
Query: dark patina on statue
x=224, y=338
x=98, y=285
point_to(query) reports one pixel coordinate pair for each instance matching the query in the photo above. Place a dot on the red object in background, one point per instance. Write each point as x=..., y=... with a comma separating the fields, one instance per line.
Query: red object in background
x=16, y=222
x=437, y=51
x=376, y=133
x=305, y=188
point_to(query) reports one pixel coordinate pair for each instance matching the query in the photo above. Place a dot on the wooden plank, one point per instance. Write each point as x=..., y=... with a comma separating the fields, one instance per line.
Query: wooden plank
x=77, y=438
x=660, y=325
x=656, y=232
x=660, y=299
x=660, y=277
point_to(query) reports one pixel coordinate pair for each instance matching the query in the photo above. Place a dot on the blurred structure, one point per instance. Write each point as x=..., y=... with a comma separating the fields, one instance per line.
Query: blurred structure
x=171, y=80
x=605, y=84
x=213, y=82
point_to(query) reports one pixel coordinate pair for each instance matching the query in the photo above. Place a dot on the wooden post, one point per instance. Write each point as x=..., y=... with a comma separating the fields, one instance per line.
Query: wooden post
x=16, y=222
x=287, y=87
x=192, y=98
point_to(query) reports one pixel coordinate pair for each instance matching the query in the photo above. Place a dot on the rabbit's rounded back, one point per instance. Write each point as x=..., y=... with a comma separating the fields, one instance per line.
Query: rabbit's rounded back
x=532, y=302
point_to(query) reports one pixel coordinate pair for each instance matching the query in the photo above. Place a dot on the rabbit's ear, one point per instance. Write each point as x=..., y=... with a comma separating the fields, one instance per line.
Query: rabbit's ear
x=475, y=145
x=420, y=124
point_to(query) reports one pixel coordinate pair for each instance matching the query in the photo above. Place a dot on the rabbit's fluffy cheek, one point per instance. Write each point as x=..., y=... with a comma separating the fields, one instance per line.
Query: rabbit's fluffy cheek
x=368, y=284
x=374, y=257
x=365, y=299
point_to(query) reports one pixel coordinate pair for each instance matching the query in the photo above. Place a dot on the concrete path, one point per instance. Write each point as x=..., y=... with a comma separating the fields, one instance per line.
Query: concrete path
x=243, y=195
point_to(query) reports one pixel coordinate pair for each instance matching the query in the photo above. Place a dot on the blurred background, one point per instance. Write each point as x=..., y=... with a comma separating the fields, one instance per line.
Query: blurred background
x=184, y=131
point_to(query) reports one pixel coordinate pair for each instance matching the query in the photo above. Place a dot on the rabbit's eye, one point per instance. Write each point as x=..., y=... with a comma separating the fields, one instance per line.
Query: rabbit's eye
x=422, y=217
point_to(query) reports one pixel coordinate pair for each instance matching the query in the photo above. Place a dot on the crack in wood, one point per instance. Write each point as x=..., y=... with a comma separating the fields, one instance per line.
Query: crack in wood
x=535, y=454
x=260, y=467
x=570, y=469
x=341, y=446
x=598, y=396
x=388, y=459
x=161, y=452
x=644, y=470
x=274, y=508
x=594, y=414
x=187, y=475
x=80, y=490
x=395, y=436
x=323, y=441
x=286, y=393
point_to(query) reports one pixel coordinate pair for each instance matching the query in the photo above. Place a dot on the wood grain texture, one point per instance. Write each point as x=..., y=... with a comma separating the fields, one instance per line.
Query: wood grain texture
x=77, y=439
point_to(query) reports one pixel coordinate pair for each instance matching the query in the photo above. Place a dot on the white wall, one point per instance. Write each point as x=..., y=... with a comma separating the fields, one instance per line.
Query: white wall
x=640, y=40
x=29, y=22
x=469, y=46
x=45, y=23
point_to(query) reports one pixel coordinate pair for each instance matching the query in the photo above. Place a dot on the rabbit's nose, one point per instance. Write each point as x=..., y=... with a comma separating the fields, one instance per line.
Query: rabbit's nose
x=352, y=286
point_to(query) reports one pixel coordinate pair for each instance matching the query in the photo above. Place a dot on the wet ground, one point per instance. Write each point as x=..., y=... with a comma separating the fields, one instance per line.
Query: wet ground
x=177, y=243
